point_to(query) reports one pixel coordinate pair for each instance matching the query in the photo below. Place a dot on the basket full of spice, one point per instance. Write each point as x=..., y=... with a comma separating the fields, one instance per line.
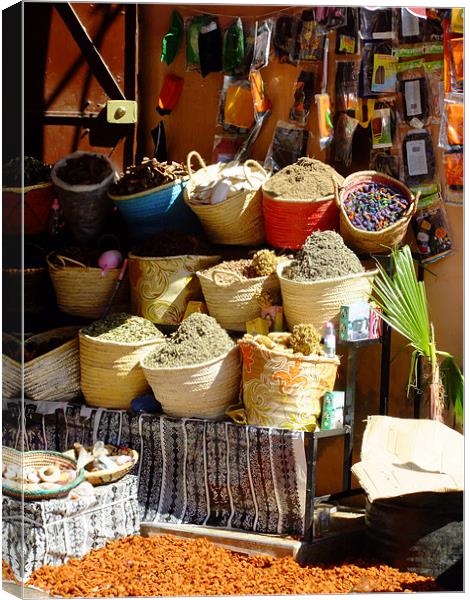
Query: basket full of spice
x=162, y=273
x=110, y=354
x=234, y=289
x=82, y=288
x=150, y=198
x=227, y=200
x=52, y=365
x=196, y=372
x=300, y=199
x=285, y=376
x=324, y=275
x=375, y=211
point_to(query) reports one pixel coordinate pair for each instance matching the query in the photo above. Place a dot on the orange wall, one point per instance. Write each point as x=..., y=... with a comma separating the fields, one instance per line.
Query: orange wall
x=192, y=126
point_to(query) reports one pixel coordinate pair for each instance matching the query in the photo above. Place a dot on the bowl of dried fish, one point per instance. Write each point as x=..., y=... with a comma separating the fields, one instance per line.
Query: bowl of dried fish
x=39, y=474
x=103, y=463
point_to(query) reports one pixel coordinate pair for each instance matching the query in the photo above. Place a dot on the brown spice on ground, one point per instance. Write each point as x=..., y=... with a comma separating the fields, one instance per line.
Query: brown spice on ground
x=168, y=566
x=307, y=179
x=7, y=572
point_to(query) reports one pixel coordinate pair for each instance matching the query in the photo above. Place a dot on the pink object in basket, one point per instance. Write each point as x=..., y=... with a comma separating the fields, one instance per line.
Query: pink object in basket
x=111, y=259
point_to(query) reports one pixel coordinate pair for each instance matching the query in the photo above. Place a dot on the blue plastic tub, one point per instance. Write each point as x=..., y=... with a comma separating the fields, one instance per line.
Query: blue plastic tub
x=155, y=210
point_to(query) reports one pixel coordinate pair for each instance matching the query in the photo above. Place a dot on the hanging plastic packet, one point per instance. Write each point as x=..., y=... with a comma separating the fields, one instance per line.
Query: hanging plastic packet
x=430, y=226
x=226, y=147
x=234, y=48
x=261, y=102
x=434, y=72
x=329, y=18
x=409, y=26
x=377, y=24
x=210, y=48
x=244, y=151
x=383, y=161
x=262, y=44
x=419, y=165
x=236, y=104
x=285, y=38
x=413, y=87
x=193, y=29
x=382, y=123
x=309, y=43
x=456, y=20
x=345, y=127
x=347, y=35
x=325, y=124
x=453, y=172
x=431, y=27
x=288, y=144
x=159, y=142
x=249, y=35
x=456, y=50
x=169, y=94
x=451, y=132
x=172, y=40
x=347, y=85
x=372, y=78
x=304, y=92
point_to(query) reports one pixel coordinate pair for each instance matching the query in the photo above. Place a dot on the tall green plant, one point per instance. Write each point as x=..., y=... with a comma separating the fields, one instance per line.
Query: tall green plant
x=402, y=299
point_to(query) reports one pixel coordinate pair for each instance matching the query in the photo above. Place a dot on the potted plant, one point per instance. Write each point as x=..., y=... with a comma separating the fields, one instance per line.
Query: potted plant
x=402, y=299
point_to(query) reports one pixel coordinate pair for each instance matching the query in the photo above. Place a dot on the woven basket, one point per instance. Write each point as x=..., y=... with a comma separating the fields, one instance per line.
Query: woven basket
x=289, y=223
x=377, y=242
x=37, y=459
x=56, y=374
x=318, y=302
x=82, y=292
x=11, y=369
x=204, y=390
x=110, y=372
x=106, y=475
x=238, y=220
x=282, y=390
x=35, y=208
x=162, y=287
x=233, y=304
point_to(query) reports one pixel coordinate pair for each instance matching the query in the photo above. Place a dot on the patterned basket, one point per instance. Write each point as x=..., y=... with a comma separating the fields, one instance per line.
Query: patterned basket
x=54, y=376
x=203, y=391
x=318, y=302
x=238, y=220
x=37, y=459
x=81, y=291
x=110, y=372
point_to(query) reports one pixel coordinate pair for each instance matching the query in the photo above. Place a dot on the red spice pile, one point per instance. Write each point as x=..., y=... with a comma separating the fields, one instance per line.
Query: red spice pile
x=168, y=566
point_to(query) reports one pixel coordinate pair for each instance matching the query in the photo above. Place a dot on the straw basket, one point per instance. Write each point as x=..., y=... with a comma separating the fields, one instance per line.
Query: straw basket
x=38, y=459
x=56, y=374
x=238, y=220
x=105, y=476
x=289, y=223
x=234, y=303
x=156, y=209
x=282, y=390
x=318, y=302
x=111, y=376
x=378, y=242
x=203, y=390
x=36, y=208
x=162, y=287
x=11, y=368
x=81, y=291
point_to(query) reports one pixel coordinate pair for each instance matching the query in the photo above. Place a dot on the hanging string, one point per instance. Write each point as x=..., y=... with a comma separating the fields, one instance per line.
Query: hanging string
x=194, y=11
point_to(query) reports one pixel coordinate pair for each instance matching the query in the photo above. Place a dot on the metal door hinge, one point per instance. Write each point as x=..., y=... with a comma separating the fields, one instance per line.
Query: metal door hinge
x=121, y=111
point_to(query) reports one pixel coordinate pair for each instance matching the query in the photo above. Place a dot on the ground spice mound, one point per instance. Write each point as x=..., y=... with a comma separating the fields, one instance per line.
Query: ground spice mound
x=122, y=327
x=7, y=572
x=199, y=338
x=307, y=179
x=323, y=256
x=168, y=566
x=225, y=270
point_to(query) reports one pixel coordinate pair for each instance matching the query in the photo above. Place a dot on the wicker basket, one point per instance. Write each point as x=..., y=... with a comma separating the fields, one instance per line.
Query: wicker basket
x=282, y=390
x=377, y=242
x=233, y=304
x=37, y=459
x=318, y=302
x=204, y=390
x=162, y=287
x=11, y=369
x=238, y=220
x=107, y=475
x=110, y=372
x=56, y=374
x=82, y=292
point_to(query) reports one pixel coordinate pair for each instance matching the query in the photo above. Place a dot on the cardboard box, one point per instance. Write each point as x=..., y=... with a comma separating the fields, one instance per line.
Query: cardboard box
x=354, y=322
x=332, y=411
x=195, y=307
x=257, y=325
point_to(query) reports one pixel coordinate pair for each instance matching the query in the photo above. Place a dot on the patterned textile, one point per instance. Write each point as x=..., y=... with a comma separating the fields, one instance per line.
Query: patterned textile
x=58, y=530
x=191, y=470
